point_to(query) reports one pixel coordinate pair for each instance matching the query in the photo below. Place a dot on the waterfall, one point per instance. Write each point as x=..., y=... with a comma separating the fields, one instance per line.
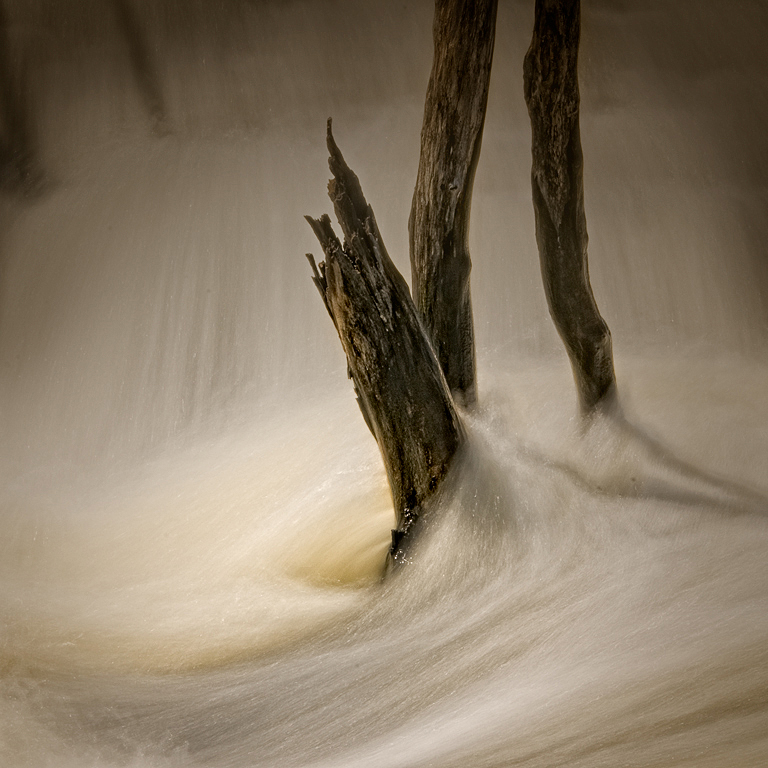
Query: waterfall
x=193, y=515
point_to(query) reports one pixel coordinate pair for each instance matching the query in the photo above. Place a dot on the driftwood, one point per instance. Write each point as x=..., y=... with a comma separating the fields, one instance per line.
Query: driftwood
x=552, y=96
x=400, y=387
x=451, y=135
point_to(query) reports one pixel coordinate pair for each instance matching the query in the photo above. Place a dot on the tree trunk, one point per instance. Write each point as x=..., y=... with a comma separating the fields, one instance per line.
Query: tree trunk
x=400, y=387
x=451, y=136
x=552, y=96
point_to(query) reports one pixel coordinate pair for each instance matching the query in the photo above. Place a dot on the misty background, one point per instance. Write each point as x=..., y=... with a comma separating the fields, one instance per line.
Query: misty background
x=193, y=515
x=154, y=278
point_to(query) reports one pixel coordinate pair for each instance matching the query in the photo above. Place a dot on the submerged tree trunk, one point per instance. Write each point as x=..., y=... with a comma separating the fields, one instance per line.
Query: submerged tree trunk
x=552, y=96
x=451, y=135
x=400, y=387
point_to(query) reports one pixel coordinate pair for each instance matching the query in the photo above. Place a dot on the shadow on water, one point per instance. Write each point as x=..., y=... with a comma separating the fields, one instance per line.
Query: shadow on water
x=659, y=473
x=718, y=492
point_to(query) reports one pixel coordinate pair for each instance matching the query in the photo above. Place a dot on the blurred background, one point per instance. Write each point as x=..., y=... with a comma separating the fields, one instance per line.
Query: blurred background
x=193, y=516
x=159, y=158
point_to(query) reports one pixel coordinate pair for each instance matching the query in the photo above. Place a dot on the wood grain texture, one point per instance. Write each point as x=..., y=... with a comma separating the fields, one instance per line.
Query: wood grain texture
x=451, y=136
x=552, y=96
x=400, y=387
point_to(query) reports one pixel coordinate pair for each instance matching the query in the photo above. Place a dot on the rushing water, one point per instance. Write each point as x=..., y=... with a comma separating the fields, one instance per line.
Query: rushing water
x=193, y=516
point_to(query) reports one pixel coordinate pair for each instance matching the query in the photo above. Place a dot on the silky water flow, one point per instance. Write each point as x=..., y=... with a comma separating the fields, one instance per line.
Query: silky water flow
x=193, y=516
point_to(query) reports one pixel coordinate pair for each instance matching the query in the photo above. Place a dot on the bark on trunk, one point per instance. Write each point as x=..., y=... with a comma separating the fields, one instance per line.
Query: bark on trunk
x=451, y=136
x=552, y=96
x=400, y=387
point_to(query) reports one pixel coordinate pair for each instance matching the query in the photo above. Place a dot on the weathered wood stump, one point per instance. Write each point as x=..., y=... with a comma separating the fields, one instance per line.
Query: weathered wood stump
x=400, y=386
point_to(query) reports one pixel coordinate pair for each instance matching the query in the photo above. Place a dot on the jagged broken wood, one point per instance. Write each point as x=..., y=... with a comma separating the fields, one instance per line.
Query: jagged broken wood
x=438, y=228
x=552, y=96
x=400, y=386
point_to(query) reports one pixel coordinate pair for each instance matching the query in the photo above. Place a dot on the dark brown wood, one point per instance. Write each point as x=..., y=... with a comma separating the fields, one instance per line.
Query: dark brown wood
x=400, y=387
x=552, y=96
x=451, y=135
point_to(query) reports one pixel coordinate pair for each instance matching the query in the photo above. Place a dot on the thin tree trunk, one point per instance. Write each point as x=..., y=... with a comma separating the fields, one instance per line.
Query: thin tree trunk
x=451, y=136
x=400, y=387
x=552, y=96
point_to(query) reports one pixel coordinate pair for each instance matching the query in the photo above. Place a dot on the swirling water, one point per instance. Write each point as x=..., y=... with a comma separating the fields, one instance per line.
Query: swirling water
x=572, y=600
x=194, y=517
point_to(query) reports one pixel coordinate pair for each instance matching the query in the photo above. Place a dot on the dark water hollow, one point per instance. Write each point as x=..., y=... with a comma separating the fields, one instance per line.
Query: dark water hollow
x=193, y=516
